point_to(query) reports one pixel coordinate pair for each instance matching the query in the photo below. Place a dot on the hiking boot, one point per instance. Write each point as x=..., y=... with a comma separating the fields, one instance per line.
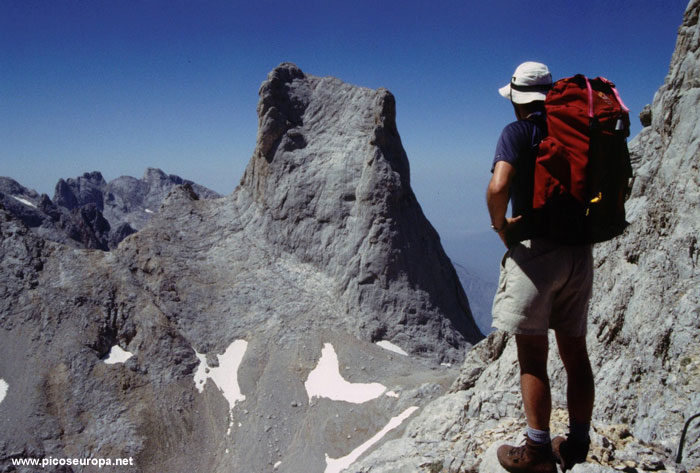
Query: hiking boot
x=529, y=458
x=568, y=452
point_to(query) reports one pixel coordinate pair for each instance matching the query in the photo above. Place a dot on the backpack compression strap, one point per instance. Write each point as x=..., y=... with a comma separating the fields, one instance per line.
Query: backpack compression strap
x=617, y=96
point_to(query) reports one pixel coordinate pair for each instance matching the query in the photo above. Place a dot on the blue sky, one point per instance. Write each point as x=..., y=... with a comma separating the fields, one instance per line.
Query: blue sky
x=118, y=86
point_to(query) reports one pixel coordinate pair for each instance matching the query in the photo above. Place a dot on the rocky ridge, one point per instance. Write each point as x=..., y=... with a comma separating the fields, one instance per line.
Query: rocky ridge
x=194, y=345
x=88, y=212
x=643, y=328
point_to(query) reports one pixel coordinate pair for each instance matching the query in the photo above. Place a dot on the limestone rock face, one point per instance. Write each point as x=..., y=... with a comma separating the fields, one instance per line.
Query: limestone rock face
x=647, y=300
x=329, y=183
x=643, y=326
x=238, y=334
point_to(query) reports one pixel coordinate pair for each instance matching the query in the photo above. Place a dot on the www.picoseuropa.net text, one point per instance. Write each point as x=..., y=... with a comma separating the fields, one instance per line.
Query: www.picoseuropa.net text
x=51, y=461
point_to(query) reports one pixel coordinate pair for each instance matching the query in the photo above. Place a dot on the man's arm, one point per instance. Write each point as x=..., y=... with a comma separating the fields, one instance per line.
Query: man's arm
x=497, y=195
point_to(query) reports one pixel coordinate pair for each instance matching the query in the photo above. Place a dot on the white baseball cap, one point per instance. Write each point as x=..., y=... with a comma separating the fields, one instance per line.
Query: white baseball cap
x=531, y=81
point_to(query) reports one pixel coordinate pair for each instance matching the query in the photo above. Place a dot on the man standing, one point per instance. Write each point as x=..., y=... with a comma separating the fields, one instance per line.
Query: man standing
x=543, y=285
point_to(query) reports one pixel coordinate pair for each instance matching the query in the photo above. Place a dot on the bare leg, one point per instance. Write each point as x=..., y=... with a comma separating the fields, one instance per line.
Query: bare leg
x=580, y=391
x=534, y=382
x=534, y=456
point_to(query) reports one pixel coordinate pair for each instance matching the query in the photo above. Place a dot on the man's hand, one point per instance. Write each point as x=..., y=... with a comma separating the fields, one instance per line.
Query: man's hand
x=509, y=224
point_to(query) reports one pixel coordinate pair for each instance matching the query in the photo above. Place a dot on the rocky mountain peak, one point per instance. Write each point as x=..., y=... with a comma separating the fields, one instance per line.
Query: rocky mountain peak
x=330, y=180
x=154, y=175
x=83, y=190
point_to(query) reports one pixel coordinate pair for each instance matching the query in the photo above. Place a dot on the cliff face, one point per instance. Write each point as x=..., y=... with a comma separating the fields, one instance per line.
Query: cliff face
x=240, y=334
x=643, y=328
x=329, y=183
x=647, y=303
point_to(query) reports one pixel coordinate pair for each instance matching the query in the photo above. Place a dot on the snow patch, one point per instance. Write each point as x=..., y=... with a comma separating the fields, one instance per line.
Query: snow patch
x=225, y=376
x=326, y=381
x=24, y=201
x=3, y=389
x=149, y=211
x=387, y=345
x=392, y=394
x=117, y=355
x=336, y=465
x=277, y=465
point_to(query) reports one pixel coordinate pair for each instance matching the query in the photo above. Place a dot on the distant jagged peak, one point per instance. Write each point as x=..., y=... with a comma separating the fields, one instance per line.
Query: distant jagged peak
x=87, y=179
x=89, y=212
x=75, y=192
x=154, y=173
x=11, y=187
x=92, y=176
x=95, y=176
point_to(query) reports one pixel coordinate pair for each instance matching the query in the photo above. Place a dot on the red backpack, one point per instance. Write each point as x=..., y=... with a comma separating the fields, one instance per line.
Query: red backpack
x=583, y=167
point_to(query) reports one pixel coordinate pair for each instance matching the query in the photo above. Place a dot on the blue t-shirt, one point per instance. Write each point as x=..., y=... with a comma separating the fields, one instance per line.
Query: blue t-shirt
x=518, y=146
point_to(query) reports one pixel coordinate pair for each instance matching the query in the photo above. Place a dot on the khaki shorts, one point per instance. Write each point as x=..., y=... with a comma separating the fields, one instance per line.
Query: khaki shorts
x=544, y=285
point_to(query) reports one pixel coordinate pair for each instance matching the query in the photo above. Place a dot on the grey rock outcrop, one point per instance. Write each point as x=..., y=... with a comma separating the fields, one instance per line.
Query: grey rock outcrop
x=643, y=328
x=645, y=116
x=191, y=346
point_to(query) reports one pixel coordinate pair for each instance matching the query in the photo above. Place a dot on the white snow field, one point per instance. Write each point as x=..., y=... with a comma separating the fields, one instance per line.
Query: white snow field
x=387, y=345
x=336, y=465
x=117, y=355
x=24, y=201
x=225, y=376
x=3, y=389
x=326, y=381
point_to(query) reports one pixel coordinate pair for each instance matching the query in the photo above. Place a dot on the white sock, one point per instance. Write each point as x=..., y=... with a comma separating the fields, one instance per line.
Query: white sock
x=538, y=436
